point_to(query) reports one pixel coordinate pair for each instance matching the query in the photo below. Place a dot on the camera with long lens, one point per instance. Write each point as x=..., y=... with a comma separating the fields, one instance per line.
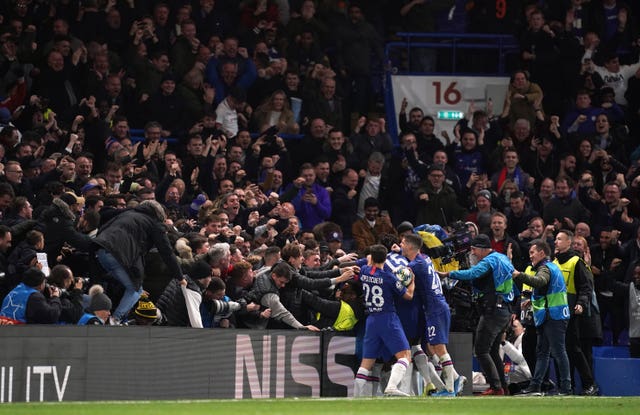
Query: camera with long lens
x=456, y=246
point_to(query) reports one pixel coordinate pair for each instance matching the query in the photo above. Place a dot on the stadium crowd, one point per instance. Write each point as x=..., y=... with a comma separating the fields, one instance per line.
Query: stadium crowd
x=214, y=228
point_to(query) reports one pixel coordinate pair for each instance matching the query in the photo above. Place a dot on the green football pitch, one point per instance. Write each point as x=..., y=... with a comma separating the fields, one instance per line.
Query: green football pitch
x=405, y=406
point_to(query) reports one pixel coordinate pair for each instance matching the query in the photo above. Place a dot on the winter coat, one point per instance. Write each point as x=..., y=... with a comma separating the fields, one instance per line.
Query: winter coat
x=59, y=228
x=130, y=235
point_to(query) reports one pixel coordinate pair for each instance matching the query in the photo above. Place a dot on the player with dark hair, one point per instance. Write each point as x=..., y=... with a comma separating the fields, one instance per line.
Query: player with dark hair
x=438, y=315
x=383, y=328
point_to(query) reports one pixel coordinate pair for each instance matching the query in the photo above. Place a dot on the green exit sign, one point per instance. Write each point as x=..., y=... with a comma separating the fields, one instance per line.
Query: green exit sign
x=450, y=115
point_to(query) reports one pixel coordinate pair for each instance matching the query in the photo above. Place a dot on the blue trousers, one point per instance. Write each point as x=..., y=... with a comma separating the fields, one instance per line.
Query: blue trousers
x=117, y=271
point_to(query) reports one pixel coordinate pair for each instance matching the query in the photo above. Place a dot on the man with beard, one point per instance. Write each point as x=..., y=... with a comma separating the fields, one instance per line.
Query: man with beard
x=565, y=210
x=366, y=231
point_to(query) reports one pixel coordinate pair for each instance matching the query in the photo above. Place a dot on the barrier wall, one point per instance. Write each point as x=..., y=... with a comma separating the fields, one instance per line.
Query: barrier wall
x=53, y=363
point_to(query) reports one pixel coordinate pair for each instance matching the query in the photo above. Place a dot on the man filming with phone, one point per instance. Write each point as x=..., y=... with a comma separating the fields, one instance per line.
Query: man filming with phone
x=311, y=201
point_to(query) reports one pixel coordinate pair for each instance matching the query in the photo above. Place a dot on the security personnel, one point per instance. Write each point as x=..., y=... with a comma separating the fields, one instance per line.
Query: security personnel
x=550, y=314
x=579, y=289
x=493, y=288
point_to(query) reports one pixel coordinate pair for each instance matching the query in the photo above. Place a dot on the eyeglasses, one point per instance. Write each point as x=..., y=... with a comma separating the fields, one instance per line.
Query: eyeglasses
x=15, y=171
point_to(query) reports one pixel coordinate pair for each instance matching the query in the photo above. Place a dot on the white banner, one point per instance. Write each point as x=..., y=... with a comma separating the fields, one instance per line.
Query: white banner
x=435, y=94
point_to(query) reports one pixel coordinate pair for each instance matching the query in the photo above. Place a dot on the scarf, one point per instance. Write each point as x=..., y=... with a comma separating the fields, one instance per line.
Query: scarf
x=517, y=177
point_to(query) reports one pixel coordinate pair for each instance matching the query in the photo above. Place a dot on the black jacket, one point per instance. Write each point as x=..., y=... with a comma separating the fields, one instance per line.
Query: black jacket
x=130, y=235
x=41, y=310
x=59, y=228
x=173, y=305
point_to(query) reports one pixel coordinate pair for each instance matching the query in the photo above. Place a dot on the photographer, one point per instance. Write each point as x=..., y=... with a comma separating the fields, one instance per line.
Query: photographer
x=493, y=290
x=71, y=293
x=27, y=304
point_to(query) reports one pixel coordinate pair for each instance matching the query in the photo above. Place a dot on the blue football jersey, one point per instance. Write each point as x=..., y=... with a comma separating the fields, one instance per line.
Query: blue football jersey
x=379, y=288
x=422, y=267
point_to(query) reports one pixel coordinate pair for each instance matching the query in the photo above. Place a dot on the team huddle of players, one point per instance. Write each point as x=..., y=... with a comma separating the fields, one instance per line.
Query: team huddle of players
x=406, y=308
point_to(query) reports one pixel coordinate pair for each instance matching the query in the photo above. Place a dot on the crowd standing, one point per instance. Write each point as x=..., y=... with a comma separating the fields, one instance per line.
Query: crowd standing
x=214, y=228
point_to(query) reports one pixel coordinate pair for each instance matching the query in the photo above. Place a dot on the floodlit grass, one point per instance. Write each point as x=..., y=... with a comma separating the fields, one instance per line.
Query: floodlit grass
x=405, y=406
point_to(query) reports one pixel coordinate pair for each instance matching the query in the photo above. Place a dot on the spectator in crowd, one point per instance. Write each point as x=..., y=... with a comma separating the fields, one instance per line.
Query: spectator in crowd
x=511, y=171
x=122, y=244
x=437, y=201
x=211, y=20
x=412, y=124
x=310, y=200
x=368, y=230
x=501, y=241
x=421, y=17
x=617, y=76
x=344, y=205
x=565, y=210
x=230, y=68
x=167, y=105
x=145, y=313
x=229, y=117
x=19, y=211
x=482, y=211
x=339, y=152
x=519, y=215
x=266, y=293
x=523, y=98
x=404, y=176
x=275, y=111
x=176, y=306
x=59, y=227
x=581, y=119
x=428, y=143
x=468, y=155
x=370, y=180
x=25, y=256
x=357, y=42
x=311, y=144
x=326, y=105
x=373, y=138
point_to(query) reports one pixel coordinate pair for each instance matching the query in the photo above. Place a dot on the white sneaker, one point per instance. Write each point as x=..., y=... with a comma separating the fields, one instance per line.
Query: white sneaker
x=394, y=392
